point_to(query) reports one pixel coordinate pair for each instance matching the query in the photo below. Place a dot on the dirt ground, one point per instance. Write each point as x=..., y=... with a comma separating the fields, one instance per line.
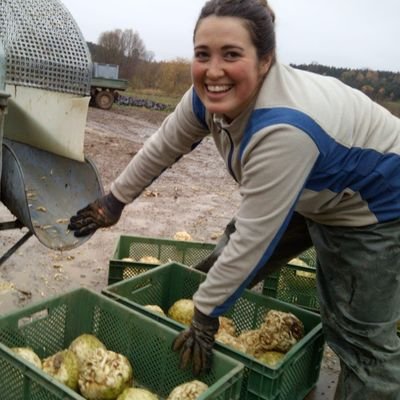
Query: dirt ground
x=196, y=195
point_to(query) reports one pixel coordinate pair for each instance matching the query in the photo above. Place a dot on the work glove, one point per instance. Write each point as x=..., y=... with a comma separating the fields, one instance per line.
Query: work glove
x=205, y=264
x=195, y=344
x=103, y=212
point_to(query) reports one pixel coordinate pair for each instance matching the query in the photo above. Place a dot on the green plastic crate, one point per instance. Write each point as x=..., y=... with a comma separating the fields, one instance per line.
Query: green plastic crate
x=50, y=326
x=291, y=379
x=309, y=257
x=165, y=250
x=295, y=282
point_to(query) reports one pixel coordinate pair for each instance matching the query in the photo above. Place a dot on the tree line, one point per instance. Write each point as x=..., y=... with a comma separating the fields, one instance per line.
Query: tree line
x=379, y=85
x=137, y=65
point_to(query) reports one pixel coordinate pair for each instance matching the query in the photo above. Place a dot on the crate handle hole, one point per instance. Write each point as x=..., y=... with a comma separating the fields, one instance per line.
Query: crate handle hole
x=33, y=318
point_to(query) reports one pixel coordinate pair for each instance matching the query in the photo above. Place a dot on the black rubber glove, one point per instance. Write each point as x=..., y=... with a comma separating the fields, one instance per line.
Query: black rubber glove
x=205, y=264
x=103, y=212
x=195, y=344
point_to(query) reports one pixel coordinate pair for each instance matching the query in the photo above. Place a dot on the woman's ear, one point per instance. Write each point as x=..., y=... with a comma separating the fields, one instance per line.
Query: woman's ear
x=265, y=64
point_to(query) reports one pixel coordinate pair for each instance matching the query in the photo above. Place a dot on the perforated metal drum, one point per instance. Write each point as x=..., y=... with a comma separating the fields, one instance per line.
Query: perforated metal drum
x=44, y=47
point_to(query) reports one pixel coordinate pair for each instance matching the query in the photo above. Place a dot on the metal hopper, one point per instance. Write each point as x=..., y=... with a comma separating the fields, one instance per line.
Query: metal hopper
x=43, y=190
x=45, y=73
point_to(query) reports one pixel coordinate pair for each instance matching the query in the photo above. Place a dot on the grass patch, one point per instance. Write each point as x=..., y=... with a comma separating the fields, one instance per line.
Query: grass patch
x=393, y=107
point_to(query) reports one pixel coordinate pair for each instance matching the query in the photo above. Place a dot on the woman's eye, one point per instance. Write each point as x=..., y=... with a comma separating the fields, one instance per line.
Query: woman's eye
x=201, y=55
x=232, y=55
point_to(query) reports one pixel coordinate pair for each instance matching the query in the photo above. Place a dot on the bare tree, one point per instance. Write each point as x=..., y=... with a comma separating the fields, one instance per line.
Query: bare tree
x=124, y=48
x=110, y=43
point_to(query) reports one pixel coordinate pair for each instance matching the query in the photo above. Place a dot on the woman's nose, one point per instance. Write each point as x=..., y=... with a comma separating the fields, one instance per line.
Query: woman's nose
x=215, y=69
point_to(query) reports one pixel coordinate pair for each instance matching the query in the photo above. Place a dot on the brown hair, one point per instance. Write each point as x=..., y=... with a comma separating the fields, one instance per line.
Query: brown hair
x=257, y=15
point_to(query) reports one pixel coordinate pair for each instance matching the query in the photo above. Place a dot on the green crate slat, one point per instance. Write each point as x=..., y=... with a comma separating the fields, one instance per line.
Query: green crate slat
x=292, y=379
x=293, y=284
x=50, y=326
x=309, y=257
x=165, y=250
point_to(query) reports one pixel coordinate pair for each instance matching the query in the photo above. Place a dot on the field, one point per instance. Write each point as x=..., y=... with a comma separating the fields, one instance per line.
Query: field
x=393, y=107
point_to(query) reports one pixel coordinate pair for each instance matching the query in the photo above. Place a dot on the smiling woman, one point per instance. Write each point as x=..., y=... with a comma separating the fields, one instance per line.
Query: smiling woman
x=317, y=163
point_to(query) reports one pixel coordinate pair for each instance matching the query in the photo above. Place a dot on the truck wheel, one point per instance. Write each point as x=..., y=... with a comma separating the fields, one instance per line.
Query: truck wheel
x=104, y=100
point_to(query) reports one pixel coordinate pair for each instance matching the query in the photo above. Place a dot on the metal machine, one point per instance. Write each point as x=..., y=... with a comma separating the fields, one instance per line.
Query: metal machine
x=45, y=75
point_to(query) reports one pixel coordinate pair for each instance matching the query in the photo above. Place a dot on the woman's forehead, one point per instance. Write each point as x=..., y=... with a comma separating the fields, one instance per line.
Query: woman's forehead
x=223, y=30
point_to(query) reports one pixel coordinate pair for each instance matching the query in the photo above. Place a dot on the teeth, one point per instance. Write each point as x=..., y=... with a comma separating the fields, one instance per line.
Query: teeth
x=218, y=88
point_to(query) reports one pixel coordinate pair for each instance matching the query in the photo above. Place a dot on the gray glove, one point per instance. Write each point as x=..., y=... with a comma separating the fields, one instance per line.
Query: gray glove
x=294, y=241
x=195, y=343
x=103, y=212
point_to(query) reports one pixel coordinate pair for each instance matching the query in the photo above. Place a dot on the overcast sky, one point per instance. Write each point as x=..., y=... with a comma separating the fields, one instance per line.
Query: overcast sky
x=340, y=33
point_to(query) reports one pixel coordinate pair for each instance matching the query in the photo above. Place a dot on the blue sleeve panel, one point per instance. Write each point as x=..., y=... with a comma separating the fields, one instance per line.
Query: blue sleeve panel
x=199, y=109
x=374, y=175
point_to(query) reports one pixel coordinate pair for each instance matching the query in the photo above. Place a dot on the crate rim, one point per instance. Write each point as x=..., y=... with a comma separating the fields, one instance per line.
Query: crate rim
x=163, y=238
x=151, y=272
x=156, y=240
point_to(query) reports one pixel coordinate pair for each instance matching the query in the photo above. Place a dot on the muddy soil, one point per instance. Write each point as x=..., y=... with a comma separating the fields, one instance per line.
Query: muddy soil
x=196, y=195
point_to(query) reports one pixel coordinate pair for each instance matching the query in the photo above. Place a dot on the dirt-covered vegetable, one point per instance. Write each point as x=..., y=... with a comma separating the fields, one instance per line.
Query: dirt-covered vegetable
x=227, y=325
x=183, y=235
x=182, y=311
x=280, y=331
x=150, y=260
x=188, y=391
x=83, y=345
x=137, y=394
x=29, y=355
x=271, y=358
x=155, y=308
x=250, y=340
x=104, y=375
x=63, y=366
x=229, y=340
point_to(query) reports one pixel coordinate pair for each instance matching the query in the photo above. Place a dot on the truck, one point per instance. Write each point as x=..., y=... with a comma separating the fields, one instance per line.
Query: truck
x=105, y=85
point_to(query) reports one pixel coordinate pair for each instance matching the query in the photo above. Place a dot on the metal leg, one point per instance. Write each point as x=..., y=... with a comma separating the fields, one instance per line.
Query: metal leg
x=11, y=225
x=16, y=246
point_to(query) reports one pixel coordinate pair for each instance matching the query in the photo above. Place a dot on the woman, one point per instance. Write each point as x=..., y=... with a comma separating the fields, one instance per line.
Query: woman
x=303, y=148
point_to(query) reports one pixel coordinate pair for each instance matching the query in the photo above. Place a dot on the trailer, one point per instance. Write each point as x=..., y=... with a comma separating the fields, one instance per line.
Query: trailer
x=106, y=85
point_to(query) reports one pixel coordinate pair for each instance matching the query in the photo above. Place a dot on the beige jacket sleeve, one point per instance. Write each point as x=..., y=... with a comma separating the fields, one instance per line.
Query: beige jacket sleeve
x=180, y=132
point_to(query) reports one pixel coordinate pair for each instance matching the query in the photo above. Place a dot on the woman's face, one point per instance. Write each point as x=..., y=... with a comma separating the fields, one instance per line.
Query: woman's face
x=226, y=71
